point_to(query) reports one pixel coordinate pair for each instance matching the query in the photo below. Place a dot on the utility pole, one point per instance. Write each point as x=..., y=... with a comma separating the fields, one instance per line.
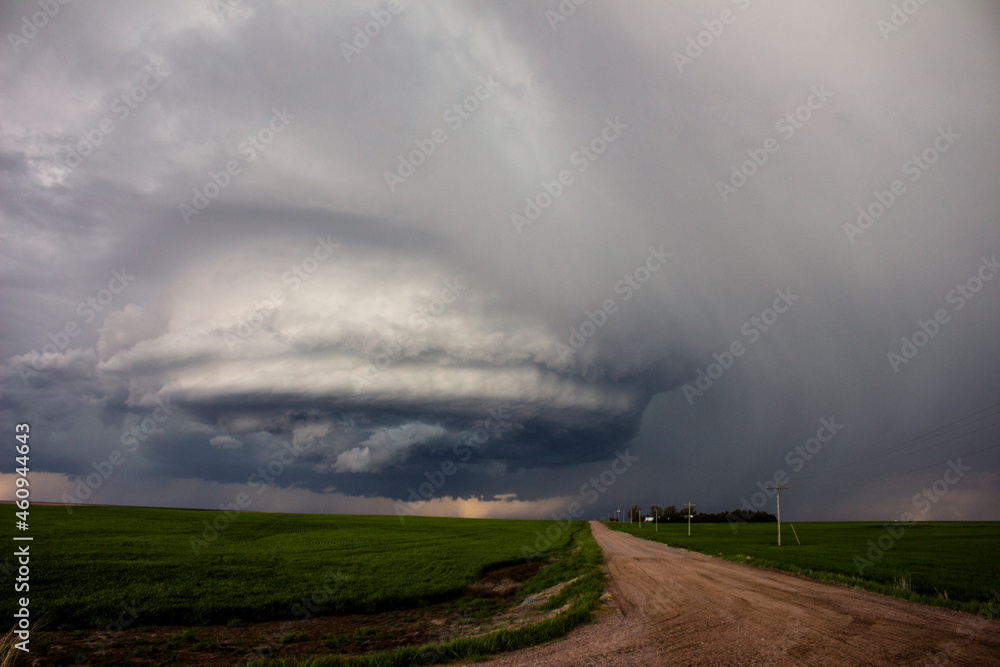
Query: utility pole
x=690, y=511
x=777, y=492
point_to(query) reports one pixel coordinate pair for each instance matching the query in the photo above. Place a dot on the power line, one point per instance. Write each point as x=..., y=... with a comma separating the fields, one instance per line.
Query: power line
x=903, y=446
x=846, y=469
x=931, y=465
x=955, y=425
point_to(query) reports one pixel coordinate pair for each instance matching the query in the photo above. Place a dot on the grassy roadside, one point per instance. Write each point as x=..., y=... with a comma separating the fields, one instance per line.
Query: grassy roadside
x=578, y=562
x=949, y=565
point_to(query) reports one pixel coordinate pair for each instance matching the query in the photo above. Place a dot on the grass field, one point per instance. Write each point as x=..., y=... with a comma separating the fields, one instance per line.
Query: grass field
x=287, y=568
x=953, y=565
x=579, y=563
x=84, y=566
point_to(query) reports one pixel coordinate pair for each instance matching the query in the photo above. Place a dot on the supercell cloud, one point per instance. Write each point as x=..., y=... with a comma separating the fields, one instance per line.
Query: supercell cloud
x=339, y=254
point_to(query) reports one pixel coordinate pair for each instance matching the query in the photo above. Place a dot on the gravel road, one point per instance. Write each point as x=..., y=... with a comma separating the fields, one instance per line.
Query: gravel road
x=675, y=607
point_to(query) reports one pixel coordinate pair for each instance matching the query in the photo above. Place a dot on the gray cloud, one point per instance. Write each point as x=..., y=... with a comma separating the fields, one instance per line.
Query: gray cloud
x=285, y=296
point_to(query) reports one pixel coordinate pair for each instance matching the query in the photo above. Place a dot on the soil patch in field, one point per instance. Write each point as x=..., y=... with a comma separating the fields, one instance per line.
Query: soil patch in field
x=504, y=581
x=491, y=603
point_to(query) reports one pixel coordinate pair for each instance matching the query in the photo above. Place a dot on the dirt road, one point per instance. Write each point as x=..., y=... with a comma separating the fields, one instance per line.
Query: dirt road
x=675, y=607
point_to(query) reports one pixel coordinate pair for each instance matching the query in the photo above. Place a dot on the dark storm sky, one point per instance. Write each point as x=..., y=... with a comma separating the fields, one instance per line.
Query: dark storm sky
x=488, y=241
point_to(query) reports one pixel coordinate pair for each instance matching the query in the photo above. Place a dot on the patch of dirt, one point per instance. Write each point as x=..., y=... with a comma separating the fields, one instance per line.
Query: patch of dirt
x=491, y=604
x=505, y=581
x=530, y=610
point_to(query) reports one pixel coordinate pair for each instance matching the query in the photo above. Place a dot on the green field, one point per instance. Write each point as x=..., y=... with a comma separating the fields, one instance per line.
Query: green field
x=84, y=566
x=287, y=567
x=954, y=565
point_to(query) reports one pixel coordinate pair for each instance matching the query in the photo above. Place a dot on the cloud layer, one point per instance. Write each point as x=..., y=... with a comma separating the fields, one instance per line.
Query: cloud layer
x=358, y=244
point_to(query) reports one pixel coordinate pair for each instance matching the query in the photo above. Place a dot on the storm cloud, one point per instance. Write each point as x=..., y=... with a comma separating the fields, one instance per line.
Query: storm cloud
x=337, y=247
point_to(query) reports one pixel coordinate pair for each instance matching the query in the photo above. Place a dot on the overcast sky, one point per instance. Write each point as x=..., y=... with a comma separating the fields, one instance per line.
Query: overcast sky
x=503, y=257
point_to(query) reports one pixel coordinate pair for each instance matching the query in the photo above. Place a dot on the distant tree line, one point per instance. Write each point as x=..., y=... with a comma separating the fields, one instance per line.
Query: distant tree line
x=671, y=513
